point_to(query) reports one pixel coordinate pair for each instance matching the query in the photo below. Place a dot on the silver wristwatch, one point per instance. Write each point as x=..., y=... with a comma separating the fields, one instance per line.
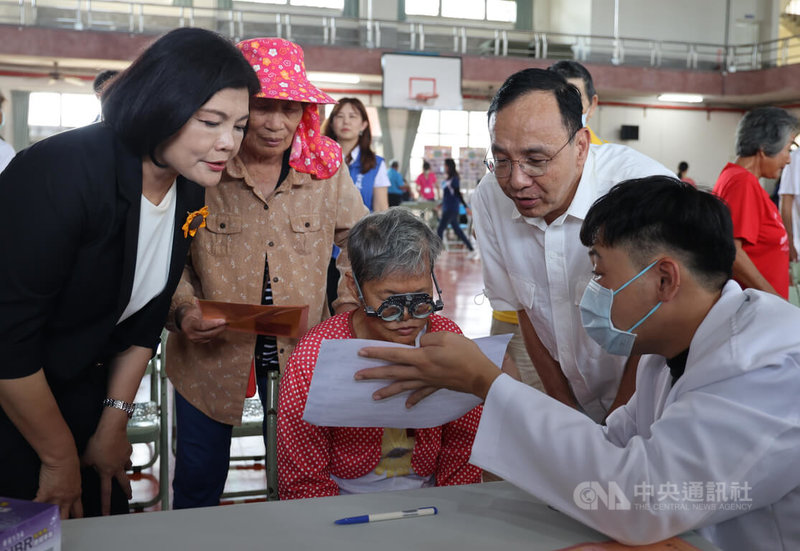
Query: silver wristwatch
x=119, y=404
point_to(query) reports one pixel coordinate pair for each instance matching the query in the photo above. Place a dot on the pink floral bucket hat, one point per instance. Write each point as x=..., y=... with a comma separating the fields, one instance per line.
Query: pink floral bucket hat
x=281, y=70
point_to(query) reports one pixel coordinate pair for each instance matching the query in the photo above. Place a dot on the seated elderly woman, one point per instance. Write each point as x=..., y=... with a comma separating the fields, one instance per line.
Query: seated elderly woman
x=392, y=255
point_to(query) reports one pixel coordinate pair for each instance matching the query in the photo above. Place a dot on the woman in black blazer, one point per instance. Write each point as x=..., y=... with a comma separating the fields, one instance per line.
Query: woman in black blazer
x=95, y=231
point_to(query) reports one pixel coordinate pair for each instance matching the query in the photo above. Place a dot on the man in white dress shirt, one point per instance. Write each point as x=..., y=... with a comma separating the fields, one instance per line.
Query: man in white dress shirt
x=710, y=439
x=544, y=176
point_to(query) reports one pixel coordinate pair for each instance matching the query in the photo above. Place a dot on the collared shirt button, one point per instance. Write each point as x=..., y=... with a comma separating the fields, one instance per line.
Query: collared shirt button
x=266, y=207
x=271, y=243
x=275, y=280
x=307, y=224
x=222, y=226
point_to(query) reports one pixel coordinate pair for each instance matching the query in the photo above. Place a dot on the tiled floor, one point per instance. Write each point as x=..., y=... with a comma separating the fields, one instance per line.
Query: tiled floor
x=459, y=277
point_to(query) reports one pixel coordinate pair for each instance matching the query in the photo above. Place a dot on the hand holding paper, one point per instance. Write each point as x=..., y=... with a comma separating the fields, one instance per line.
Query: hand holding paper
x=189, y=319
x=443, y=360
x=337, y=399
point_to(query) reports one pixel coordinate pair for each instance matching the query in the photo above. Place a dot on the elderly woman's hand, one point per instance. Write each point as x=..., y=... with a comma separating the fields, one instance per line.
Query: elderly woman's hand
x=189, y=319
x=443, y=360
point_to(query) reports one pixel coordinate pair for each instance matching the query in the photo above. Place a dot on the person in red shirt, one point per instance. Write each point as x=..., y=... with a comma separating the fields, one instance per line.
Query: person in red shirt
x=763, y=138
x=426, y=183
x=392, y=255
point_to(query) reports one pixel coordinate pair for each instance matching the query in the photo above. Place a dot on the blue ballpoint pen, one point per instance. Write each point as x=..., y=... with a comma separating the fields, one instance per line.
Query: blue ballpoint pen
x=420, y=512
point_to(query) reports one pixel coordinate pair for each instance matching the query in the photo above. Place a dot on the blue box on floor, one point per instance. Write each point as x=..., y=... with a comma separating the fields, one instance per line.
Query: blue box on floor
x=25, y=525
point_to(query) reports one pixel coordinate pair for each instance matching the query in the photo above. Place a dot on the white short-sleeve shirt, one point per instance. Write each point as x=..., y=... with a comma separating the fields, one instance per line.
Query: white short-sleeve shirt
x=790, y=185
x=544, y=269
x=381, y=177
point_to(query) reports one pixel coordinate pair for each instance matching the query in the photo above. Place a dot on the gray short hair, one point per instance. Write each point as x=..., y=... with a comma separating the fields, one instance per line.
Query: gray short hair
x=390, y=242
x=766, y=129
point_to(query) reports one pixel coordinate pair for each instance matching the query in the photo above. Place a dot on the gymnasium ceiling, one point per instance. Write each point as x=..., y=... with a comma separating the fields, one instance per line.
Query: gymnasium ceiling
x=75, y=56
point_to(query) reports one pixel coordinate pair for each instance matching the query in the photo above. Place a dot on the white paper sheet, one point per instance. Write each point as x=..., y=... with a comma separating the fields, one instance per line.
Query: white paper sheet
x=336, y=399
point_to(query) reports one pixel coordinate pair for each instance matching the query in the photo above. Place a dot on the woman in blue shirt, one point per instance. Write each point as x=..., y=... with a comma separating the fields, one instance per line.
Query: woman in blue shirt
x=349, y=125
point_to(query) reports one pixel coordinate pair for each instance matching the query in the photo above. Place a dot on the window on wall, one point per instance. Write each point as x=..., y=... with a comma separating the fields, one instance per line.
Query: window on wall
x=53, y=112
x=482, y=10
x=331, y=4
x=454, y=129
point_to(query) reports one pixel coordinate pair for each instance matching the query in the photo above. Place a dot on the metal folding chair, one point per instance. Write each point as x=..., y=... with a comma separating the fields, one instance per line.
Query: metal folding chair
x=149, y=425
x=252, y=419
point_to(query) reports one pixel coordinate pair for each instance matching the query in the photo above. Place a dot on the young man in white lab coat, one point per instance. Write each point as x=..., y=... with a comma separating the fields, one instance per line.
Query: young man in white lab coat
x=711, y=438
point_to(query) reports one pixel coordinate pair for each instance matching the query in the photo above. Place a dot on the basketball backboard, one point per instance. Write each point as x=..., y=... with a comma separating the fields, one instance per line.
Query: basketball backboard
x=422, y=81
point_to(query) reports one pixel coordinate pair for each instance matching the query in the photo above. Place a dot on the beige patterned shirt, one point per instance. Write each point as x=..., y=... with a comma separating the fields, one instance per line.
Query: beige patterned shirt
x=295, y=228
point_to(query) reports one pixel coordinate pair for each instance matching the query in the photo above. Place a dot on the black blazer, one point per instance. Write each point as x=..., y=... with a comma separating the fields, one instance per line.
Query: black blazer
x=69, y=223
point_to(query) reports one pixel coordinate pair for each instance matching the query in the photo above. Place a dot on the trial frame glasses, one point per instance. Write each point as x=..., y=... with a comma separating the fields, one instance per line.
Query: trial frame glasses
x=393, y=308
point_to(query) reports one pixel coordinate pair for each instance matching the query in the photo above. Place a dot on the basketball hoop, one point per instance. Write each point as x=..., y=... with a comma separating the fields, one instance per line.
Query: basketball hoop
x=418, y=82
x=424, y=99
x=422, y=90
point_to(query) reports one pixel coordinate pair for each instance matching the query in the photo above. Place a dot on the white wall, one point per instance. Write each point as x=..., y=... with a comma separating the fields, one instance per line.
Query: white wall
x=681, y=20
x=705, y=141
x=563, y=16
x=381, y=9
x=762, y=15
x=700, y=21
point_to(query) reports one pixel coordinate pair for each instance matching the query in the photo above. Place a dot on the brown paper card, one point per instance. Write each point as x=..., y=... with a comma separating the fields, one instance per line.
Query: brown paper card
x=278, y=321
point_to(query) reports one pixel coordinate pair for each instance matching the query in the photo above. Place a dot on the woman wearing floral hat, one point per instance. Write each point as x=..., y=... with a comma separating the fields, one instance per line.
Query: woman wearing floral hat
x=95, y=235
x=281, y=204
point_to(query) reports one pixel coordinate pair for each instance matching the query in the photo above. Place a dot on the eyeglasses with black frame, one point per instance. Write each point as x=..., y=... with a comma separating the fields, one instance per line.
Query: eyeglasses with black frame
x=533, y=167
x=419, y=305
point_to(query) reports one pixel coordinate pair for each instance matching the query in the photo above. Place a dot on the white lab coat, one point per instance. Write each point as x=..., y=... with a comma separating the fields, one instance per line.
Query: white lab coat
x=732, y=418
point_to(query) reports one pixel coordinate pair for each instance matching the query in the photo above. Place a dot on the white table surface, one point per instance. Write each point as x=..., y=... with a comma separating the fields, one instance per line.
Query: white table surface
x=494, y=515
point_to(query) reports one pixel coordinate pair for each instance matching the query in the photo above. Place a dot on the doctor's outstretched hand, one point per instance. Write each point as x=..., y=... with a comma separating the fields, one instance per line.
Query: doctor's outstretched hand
x=443, y=360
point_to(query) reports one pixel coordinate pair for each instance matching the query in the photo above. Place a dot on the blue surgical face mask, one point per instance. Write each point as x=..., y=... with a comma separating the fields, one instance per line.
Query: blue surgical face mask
x=583, y=119
x=596, y=317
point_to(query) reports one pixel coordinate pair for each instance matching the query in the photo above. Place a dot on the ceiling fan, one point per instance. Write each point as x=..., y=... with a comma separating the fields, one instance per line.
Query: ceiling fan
x=56, y=76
